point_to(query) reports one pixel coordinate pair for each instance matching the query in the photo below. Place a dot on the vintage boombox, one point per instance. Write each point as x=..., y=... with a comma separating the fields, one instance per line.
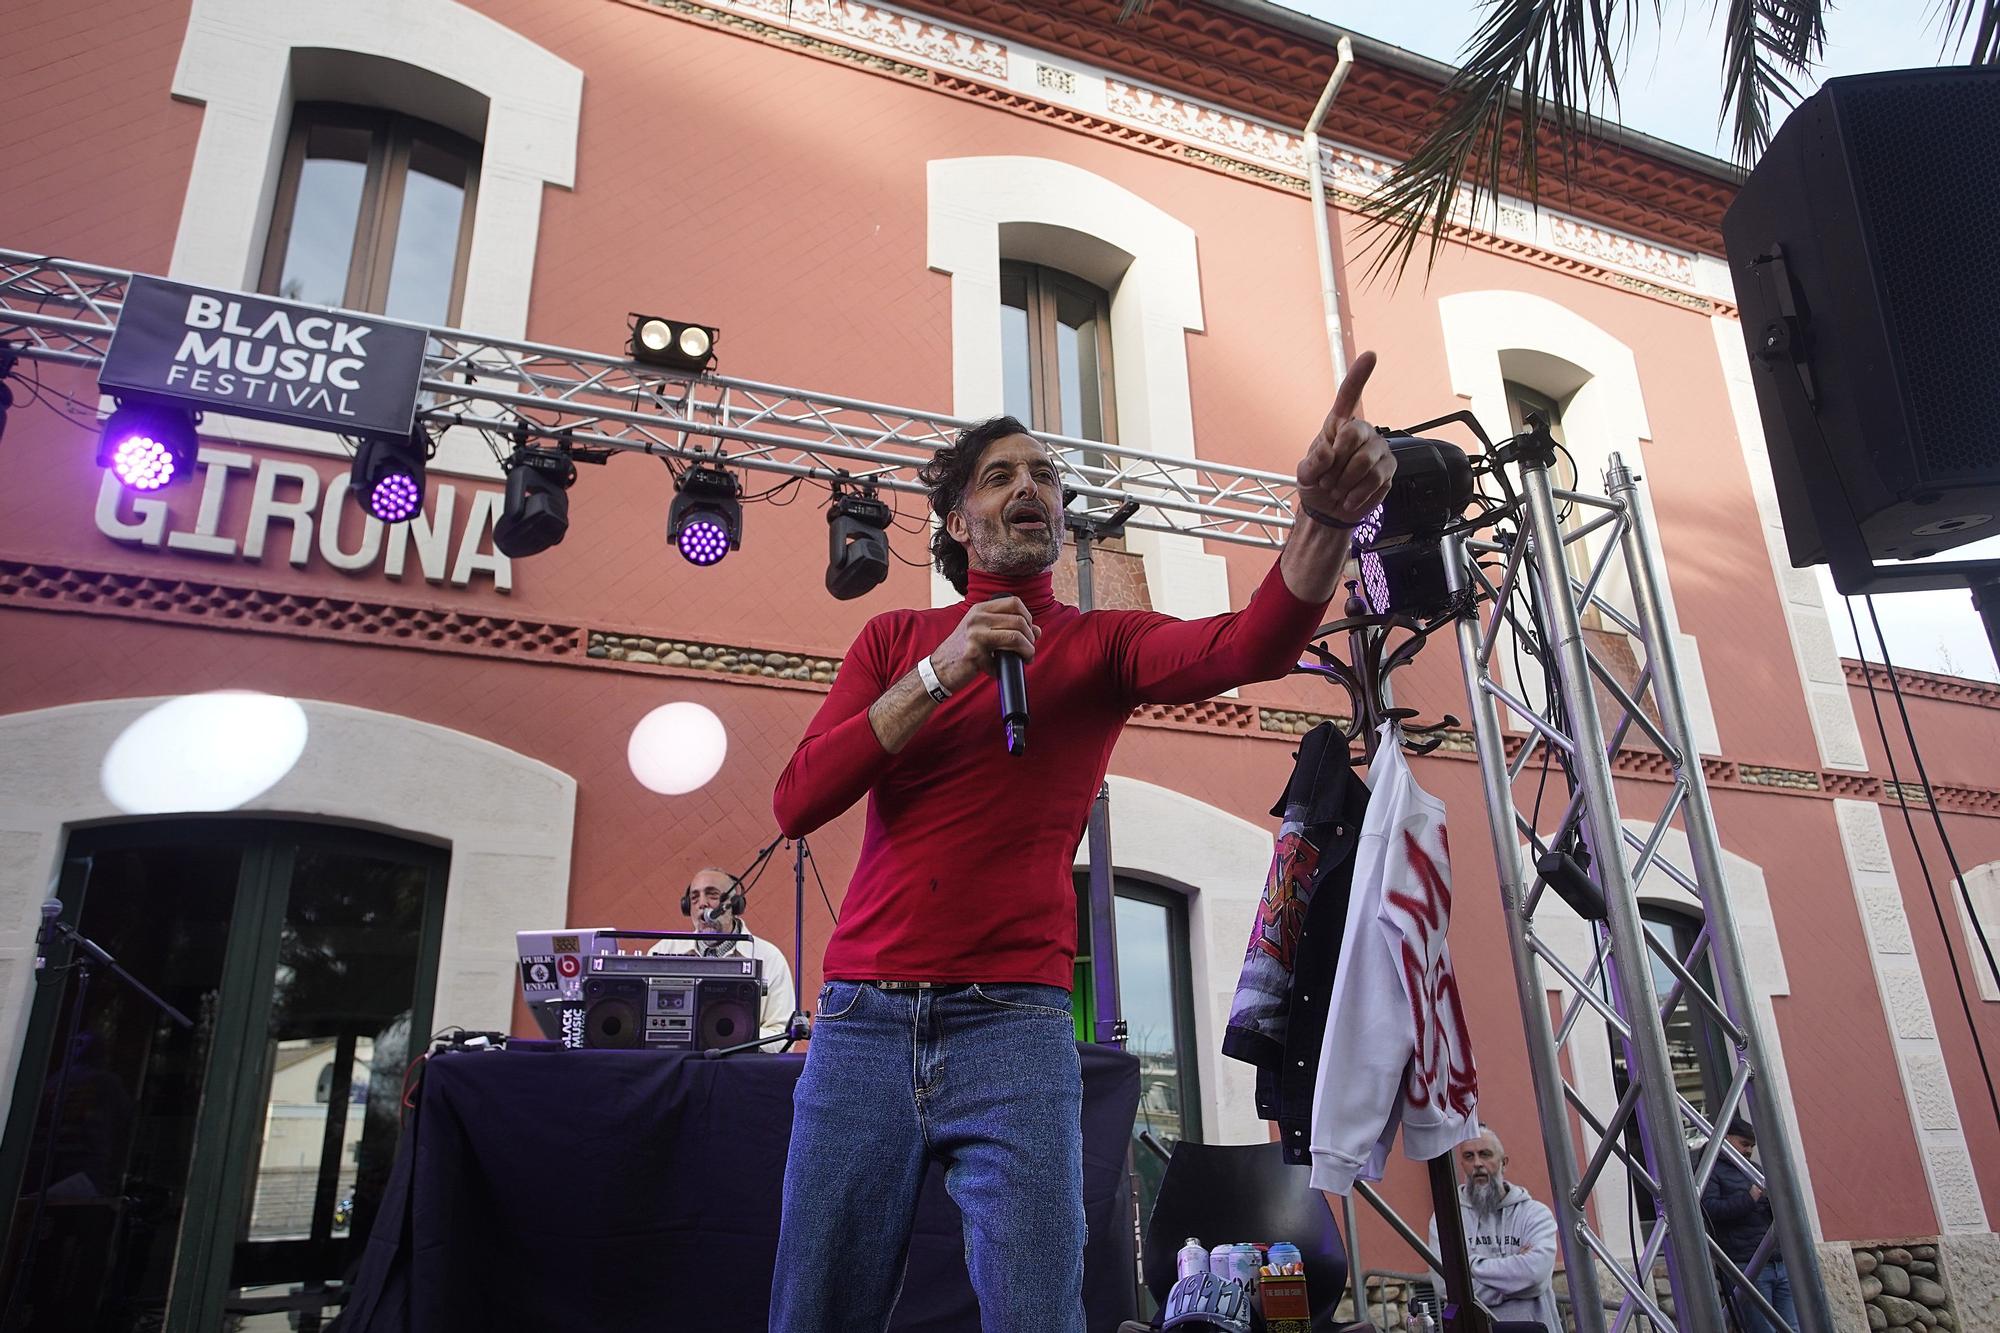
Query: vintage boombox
x=584, y=993
x=673, y=1002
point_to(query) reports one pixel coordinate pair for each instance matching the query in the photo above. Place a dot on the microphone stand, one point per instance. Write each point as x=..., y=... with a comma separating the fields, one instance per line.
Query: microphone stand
x=1086, y=530
x=799, y=1026
x=85, y=953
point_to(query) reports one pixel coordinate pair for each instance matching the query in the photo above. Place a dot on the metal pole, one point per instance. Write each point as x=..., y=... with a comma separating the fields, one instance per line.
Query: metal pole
x=1353, y=1249
x=1780, y=1156
x=1698, y=1305
x=1579, y=1264
x=1329, y=280
x=1110, y=1025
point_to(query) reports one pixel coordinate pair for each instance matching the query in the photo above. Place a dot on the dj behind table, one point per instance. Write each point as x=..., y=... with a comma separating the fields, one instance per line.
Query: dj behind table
x=560, y=1184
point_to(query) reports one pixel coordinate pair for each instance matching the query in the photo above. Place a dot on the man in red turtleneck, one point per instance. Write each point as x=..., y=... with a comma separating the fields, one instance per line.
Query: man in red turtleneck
x=944, y=1028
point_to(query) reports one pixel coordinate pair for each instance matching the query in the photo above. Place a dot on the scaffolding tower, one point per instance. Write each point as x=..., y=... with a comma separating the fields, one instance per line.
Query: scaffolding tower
x=1534, y=585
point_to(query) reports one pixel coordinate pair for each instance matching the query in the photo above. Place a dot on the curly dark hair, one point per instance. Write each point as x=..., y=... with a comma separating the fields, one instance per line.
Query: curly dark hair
x=947, y=475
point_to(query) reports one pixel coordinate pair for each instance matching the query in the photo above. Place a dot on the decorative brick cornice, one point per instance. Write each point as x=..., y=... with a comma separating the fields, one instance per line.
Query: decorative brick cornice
x=1259, y=68
x=209, y=604
x=1170, y=117
x=1924, y=684
x=223, y=606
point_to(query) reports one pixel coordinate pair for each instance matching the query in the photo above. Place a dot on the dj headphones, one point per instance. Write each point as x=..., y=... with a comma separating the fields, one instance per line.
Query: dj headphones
x=732, y=900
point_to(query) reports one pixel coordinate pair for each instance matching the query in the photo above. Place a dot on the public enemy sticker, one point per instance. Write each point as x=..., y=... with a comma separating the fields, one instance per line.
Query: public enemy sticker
x=538, y=972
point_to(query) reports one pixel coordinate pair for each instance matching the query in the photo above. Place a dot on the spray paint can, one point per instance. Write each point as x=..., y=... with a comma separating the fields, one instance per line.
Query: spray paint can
x=1283, y=1255
x=1190, y=1258
x=1220, y=1260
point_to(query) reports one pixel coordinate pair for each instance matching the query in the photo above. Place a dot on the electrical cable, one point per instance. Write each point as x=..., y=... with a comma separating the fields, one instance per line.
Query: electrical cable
x=825, y=897
x=1909, y=824
x=755, y=870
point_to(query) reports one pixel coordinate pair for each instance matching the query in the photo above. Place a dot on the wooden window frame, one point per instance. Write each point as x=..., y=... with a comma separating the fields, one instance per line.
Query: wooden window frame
x=370, y=262
x=1043, y=286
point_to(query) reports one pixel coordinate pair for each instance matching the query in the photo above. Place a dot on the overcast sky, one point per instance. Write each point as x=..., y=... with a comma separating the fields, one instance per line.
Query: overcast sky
x=1673, y=90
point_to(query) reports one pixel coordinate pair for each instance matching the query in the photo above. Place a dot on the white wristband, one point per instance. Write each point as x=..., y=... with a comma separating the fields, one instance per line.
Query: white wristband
x=928, y=674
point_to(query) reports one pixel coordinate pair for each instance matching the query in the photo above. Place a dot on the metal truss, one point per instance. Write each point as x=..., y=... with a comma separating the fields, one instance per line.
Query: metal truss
x=1614, y=967
x=60, y=311
x=63, y=312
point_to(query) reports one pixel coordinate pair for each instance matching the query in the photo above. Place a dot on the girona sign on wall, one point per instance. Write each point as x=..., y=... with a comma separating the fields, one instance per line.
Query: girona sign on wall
x=258, y=357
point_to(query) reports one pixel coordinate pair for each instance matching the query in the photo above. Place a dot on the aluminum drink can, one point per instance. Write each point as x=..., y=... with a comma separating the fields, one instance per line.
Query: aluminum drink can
x=1191, y=1258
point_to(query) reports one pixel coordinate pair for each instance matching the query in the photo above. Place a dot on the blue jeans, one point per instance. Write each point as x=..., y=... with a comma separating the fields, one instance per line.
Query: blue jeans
x=984, y=1079
x=1776, y=1285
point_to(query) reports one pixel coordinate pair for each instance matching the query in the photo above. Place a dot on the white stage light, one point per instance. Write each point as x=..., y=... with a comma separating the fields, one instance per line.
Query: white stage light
x=204, y=752
x=677, y=748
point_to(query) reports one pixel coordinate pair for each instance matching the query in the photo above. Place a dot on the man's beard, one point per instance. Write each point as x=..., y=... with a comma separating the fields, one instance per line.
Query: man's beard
x=1488, y=1196
x=998, y=547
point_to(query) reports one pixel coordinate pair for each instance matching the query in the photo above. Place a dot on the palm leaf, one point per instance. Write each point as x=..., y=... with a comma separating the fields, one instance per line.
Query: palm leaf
x=1958, y=19
x=1535, y=74
x=1766, y=46
x=1533, y=77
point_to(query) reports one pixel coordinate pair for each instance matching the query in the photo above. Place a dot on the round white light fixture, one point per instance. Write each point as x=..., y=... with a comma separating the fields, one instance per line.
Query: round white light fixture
x=204, y=752
x=677, y=748
x=694, y=341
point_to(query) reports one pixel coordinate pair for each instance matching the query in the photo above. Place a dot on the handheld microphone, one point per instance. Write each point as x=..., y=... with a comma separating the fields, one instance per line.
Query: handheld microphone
x=1013, y=700
x=45, y=938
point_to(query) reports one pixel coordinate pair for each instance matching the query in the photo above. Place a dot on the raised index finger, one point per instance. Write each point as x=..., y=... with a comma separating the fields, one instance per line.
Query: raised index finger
x=1348, y=399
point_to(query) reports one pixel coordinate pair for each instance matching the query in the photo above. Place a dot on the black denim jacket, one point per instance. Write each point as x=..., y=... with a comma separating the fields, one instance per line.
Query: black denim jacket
x=1327, y=800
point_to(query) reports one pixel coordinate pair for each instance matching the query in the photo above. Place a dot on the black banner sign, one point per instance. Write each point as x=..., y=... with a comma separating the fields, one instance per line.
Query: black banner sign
x=259, y=357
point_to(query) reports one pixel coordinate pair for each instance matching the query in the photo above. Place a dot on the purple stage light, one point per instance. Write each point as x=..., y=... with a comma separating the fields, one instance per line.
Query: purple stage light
x=142, y=462
x=387, y=479
x=396, y=497
x=704, y=540
x=706, y=519
x=148, y=444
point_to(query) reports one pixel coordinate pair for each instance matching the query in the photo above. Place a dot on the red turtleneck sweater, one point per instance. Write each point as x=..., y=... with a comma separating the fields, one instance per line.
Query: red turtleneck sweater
x=965, y=868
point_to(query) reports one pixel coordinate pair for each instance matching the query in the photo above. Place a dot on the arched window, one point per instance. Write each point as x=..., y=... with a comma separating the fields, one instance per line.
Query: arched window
x=1695, y=1047
x=1156, y=999
x=373, y=212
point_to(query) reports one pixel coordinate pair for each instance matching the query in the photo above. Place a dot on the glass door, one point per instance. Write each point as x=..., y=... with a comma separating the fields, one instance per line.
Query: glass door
x=223, y=1177
x=110, y=1093
x=323, y=1079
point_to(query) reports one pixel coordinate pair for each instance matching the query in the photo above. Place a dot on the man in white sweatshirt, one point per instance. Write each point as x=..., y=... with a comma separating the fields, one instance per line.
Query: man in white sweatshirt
x=1509, y=1237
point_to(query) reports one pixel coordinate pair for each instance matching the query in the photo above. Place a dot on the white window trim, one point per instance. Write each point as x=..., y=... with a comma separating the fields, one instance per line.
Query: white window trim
x=236, y=61
x=1982, y=885
x=1217, y=860
x=1815, y=655
x=509, y=821
x=1155, y=303
x=1606, y=415
x=1913, y=1034
x=1589, y=1044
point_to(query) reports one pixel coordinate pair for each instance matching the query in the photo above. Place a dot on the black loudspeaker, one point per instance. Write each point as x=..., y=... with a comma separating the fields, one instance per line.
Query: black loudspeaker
x=1867, y=263
x=727, y=1012
x=614, y=1012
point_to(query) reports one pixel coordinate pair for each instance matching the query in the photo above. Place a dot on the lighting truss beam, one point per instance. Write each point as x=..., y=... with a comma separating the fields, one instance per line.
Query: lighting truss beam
x=63, y=312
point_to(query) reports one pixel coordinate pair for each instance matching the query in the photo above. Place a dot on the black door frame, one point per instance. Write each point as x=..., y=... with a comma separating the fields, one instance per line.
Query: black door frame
x=234, y=1081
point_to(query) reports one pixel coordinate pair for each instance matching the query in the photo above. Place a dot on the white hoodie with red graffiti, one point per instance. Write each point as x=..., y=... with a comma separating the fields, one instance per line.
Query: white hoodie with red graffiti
x=1396, y=1049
